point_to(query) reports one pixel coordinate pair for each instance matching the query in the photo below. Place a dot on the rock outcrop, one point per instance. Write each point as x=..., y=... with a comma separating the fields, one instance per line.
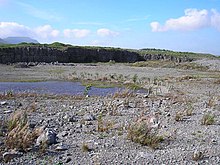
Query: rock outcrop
x=76, y=55
x=165, y=57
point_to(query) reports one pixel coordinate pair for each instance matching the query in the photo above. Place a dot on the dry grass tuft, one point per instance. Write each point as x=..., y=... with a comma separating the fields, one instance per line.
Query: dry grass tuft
x=123, y=94
x=179, y=116
x=208, y=119
x=104, y=126
x=141, y=132
x=85, y=147
x=19, y=135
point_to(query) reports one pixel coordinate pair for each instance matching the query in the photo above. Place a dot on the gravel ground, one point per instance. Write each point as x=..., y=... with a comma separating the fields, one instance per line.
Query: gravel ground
x=212, y=64
x=179, y=103
x=60, y=72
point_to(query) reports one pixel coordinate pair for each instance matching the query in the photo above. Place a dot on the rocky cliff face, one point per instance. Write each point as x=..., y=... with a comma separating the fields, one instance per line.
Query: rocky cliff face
x=75, y=54
x=166, y=57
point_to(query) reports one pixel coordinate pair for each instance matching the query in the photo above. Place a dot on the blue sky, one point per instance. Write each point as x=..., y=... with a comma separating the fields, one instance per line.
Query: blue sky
x=182, y=25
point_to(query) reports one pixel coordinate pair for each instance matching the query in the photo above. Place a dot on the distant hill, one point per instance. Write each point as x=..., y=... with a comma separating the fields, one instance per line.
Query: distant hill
x=2, y=41
x=17, y=40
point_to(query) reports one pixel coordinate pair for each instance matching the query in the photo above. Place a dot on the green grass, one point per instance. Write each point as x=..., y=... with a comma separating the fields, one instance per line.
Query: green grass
x=170, y=64
x=176, y=53
x=100, y=84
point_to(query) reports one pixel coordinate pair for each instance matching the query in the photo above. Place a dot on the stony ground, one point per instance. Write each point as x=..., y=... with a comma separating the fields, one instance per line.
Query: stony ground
x=95, y=130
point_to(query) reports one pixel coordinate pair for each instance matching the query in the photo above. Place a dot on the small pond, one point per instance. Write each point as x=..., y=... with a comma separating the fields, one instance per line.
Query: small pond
x=54, y=87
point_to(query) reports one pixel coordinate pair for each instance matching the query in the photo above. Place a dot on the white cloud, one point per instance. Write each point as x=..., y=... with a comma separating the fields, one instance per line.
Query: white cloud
x=14, y=29
x=106, y=33
x=215, y=19
x=192, y=20
x=46, y=32
x=155, y=26
x=76, y=33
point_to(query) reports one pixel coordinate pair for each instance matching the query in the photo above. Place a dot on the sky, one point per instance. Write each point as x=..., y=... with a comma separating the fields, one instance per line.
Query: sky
x=180, y=25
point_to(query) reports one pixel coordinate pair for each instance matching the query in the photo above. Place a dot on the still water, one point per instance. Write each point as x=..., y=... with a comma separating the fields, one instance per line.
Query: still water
x=54, y=87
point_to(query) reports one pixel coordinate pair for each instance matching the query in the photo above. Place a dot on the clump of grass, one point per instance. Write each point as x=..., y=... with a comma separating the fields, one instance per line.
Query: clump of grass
x=19, y=135
x=208, y=119
x=17, y=118
x=32, y=107
x=85, y=147
x=197, y=155
x=141, y=132
x=103, y=126
x=211, y=102
x=43, y=147
x=134, y=78
x=133, y=86
x=123, y=94
x=217, y=81
x=179, y=116
x=189, y=110
x=87, y=89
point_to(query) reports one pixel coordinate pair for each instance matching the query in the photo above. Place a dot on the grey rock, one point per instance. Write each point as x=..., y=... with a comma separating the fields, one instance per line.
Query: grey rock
x=78, y=125
x=89, y=117
x=144, y=155
x=8, y=111
x=3, y=103
x=7, y=156
x=61, y=147
x=72, y=119
x=62, y=134
x=68, y=159
x=65, y=117
x=214, y=141
x=48, y=136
